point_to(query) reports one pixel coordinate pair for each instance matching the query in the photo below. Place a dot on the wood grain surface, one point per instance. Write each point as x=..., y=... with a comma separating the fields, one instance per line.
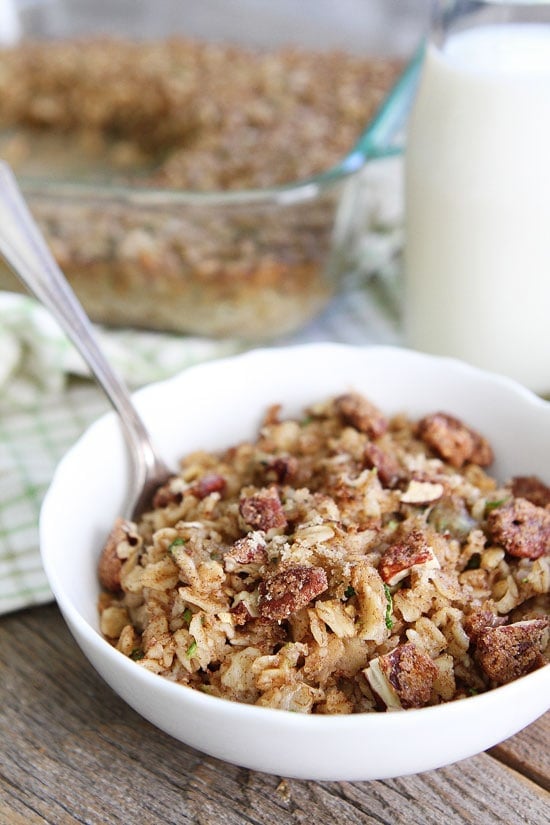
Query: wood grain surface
x=72, y=752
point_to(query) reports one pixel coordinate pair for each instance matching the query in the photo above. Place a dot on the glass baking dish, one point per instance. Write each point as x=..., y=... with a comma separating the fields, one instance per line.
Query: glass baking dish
x=255, y=262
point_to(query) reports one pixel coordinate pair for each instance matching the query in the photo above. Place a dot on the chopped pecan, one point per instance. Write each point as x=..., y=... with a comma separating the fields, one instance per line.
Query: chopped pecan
x=510, y=651
x=281, y=469
x=454, y=441
x=110, y=563
x=290, y=590
x=263, y=509
x=272, y=416
x=248, y=550
x=211, y=483
x=241, y=614
x=356, y=410
x=522, y=528
x=403, y=678
x=388, y=467
x=531, y=488
x=167, y=494
x=174, y=490
x=480, y=620
x=400, y=558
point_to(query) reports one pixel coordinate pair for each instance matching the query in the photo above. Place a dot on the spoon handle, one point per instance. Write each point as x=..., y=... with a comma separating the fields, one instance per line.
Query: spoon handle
x=26, y=252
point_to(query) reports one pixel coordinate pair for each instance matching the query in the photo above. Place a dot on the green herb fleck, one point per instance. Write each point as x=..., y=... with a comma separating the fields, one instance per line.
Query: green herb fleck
x=349, y=592
x=472, y=691
x=137, y=654
x=305, y=421
x=191, y=650
x=474, y=562
x=492, y=505
x=389, y=607
x=176, y=543
x=187, y=616
x=525, y=580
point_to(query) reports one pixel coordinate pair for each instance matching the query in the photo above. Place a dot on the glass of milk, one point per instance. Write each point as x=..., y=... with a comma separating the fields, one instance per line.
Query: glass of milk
x=477, y=191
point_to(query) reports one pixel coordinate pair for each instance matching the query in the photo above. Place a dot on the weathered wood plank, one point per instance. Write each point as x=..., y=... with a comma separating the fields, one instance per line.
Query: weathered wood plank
x=529, y=752
x=73, y=752
x=15, y=812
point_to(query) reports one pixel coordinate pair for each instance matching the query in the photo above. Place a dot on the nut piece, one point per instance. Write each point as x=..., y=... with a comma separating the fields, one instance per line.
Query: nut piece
x=531, y=488
x=403, y=678
x=241, y=614
x=454, y=441
x=480, y=620
x=422, y=492
x=212, y=483
x=281, y=469
x=249, y=550
x=510, y=651
x=389, y=469
x=263, y=510
x=522, y=528
x=361, y=414
x=290, y=590
x=110, y=562
x=169, y=493
x=413, y=553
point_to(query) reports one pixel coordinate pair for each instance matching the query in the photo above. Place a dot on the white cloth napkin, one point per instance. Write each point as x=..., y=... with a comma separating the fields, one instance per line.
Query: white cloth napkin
x=37, y=359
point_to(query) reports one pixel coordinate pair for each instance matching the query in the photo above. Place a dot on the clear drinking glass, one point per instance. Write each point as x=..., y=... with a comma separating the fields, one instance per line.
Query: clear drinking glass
x=477, y=259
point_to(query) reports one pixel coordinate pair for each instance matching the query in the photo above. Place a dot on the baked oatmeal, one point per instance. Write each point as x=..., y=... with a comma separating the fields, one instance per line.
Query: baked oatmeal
x=341, y=562
x=187, y=114
x=201, y=117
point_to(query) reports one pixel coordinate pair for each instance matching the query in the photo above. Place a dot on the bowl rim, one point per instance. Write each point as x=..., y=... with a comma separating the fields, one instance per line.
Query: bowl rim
x=538, y=679
x=376, y=142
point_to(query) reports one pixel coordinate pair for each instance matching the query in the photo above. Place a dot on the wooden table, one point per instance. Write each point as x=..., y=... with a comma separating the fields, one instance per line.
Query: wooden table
x=72, y=752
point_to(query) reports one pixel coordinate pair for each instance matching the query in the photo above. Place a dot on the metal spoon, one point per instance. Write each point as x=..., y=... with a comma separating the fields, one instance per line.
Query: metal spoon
x=24, y=249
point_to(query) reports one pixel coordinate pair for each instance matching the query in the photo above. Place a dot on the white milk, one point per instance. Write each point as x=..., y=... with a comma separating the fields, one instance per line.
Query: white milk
x=477, y=255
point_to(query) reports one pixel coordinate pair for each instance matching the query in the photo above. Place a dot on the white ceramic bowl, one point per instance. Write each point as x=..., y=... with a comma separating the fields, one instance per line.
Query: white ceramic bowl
x=216, y=405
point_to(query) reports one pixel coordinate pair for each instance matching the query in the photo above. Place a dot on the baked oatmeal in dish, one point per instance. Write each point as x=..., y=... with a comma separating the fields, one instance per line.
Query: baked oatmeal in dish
x=141, y=147
x=341, y=562
x=190, y=114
